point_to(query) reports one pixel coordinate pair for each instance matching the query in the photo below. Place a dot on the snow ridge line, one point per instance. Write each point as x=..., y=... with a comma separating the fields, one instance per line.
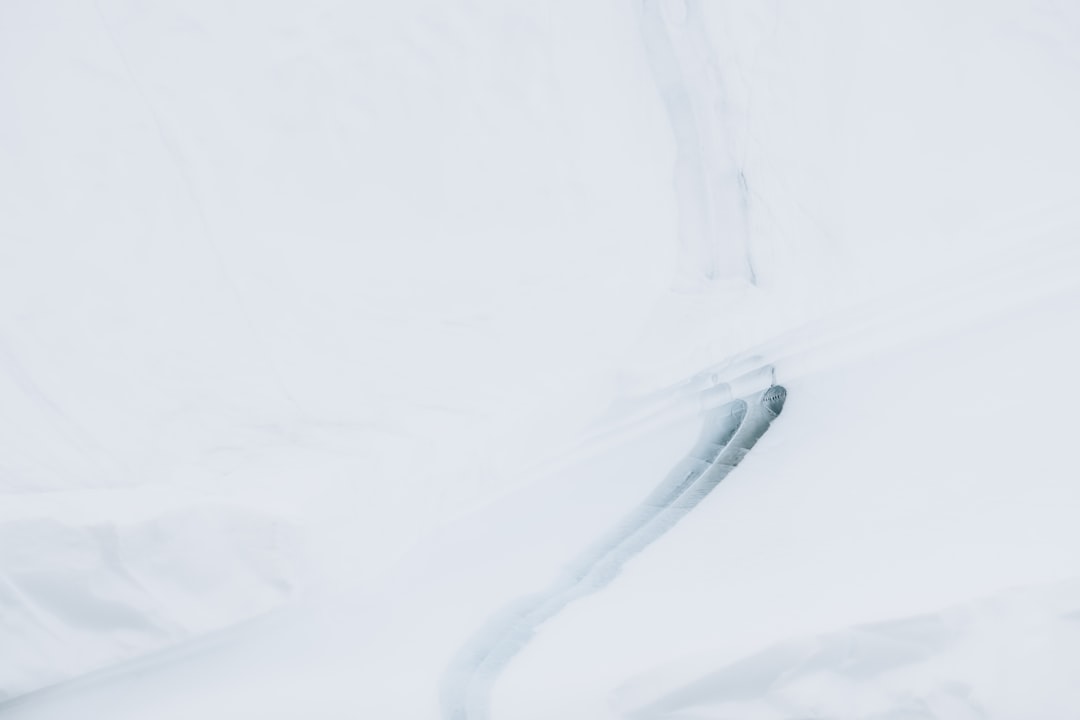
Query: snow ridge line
x=727, y=436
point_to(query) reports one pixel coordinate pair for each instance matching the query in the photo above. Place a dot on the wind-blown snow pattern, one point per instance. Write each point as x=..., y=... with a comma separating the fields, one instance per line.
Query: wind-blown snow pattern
x=900, y=668
x=327, y=329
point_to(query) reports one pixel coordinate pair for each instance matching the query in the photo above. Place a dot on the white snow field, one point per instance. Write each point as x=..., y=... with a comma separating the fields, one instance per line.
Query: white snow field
x=331, y=330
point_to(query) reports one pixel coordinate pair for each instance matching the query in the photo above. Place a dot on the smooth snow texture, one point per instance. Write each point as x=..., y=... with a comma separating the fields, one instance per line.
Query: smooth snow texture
x=299, y=258
x=307, y=310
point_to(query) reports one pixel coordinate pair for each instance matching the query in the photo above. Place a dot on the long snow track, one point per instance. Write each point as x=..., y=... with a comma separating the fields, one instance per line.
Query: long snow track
x=727, y=435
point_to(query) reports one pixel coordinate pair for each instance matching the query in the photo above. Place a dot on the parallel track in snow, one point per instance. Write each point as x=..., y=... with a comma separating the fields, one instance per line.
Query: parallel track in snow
x=728, y=434
x=936, y=305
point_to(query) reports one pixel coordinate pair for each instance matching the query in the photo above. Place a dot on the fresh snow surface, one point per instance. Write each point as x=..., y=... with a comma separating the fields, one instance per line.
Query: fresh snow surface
x=329, y=330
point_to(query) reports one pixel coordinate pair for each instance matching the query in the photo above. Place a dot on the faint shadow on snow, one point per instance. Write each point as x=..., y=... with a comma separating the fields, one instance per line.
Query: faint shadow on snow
x=945, y=665
x=79, y=595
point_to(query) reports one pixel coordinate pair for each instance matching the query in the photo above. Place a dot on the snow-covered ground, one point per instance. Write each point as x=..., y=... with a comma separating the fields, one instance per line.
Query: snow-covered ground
x=328, y=330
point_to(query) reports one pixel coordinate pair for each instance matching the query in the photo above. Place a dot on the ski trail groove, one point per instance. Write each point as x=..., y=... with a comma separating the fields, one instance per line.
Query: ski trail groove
x=727, y=435
x=710, y=187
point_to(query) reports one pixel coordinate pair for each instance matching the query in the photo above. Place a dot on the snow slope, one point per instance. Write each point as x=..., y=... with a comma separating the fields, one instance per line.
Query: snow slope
x=328, y=329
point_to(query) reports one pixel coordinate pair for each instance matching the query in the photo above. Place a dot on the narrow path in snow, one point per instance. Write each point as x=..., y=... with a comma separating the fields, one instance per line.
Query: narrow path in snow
x=709, y=187
x=728, y=434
